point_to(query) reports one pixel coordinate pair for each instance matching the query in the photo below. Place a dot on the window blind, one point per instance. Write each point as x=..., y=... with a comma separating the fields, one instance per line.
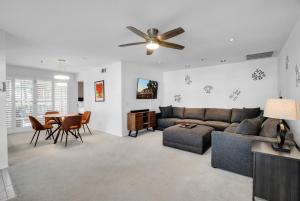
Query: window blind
x=9, y=104
x=23, y=101
x=44, y=100
x=61, y=97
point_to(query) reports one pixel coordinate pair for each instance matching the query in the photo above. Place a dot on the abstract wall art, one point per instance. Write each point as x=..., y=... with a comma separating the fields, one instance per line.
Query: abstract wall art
x=287, y=61
x=103, y=70
x=177, y=98
x=297, y=75
x=235, y=94
x=99, y=91
x=208, y=89
x=187, y=77
x=188, y=80
x=258, y=74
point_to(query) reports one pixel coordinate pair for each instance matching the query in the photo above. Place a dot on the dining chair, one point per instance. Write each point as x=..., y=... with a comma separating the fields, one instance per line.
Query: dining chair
x=38, y=127
x=51, y=120
x=71, y=125
x=85, y=120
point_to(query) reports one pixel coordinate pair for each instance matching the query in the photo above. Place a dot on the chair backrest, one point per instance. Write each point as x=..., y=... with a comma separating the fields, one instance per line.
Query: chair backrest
x=86, y=116
x=47, y=119
x=35, y=123
x=51, y=112
x=71, y=121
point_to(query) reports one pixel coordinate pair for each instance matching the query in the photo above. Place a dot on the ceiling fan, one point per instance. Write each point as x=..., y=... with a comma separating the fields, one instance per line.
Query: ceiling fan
x=153, y=40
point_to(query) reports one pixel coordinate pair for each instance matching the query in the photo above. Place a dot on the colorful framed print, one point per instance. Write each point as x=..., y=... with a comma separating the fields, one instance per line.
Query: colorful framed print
x=99, y=91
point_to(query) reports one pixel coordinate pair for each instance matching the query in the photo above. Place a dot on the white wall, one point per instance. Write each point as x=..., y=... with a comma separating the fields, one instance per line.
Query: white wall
x=225, y=79
x=120, y=94
x=3, y=132
x=107, y=115
x=287, y=77
x=130, y=73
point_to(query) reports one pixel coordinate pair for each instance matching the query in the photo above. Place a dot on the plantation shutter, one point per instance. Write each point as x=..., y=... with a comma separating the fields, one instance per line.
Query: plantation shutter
x=61, y=97
x=23, y=101
x=9, y=104
x=43, y=98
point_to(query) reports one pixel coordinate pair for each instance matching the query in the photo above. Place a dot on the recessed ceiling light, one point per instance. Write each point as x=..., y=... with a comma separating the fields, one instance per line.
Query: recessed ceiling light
x=231, y=39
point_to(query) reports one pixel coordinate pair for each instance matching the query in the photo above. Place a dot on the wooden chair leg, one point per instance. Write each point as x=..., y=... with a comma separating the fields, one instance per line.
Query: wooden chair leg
x=33, y=137
x=61, y=138
x=79, y=135
x=37, y=137
x=57, y=136
x=66, y=139
x=88, y=129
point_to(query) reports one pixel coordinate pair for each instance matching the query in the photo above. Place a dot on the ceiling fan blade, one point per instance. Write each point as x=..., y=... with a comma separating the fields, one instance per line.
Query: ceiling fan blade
x=171, y=45
x=149, y=52
x=171, y=34
x=138, y=32
x=130, y=44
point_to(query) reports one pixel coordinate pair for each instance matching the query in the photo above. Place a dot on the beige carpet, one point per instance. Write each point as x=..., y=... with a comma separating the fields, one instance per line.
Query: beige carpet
x=109, y=168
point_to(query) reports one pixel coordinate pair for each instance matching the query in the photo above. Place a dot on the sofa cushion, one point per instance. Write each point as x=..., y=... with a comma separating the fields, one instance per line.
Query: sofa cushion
x=178, y=112
x=194, y=113
x=190, y=121
x=166, y=112
x=238, y=115
x=250, y=126
x=166, y=122
x=269, y=129
x=215, y=114
x=231, y=128
x=218, y=125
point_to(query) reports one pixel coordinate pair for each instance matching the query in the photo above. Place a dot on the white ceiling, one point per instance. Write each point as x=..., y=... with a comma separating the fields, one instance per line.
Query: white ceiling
x=87, y=32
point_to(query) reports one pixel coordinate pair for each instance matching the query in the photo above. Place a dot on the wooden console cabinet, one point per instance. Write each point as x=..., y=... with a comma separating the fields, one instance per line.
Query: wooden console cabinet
x=140, y=120
x=276, y=175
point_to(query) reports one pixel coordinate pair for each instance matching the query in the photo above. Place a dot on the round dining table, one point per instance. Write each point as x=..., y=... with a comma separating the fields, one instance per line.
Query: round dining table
x=58, y=118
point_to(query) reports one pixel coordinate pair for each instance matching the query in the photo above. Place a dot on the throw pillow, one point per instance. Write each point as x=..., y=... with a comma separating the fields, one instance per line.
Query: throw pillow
x=239, y=115
x=250, y=126
x=178, y=112
x=166, y=112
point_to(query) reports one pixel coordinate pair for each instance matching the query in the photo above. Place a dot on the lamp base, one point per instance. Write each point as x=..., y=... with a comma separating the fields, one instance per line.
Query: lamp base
x=284, y=148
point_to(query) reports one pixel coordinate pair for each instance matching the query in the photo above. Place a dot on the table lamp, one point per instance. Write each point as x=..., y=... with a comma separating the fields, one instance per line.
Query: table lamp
x=282, y=109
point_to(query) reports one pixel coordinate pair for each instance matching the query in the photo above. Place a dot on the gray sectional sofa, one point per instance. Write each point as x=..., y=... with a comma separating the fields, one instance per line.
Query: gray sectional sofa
x=230, y=150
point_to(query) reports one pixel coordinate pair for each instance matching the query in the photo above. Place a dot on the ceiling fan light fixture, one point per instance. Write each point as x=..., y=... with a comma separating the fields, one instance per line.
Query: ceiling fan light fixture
x=152, y=45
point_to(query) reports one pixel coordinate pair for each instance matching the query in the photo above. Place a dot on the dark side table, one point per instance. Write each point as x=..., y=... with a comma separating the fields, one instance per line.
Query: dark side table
x=276, y=175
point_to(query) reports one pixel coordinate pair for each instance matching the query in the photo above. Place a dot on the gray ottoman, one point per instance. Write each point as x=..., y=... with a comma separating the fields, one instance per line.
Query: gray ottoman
x=197, y=139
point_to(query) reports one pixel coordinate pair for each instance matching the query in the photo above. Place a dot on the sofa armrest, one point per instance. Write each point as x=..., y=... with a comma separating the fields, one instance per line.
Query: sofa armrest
x=232, y=152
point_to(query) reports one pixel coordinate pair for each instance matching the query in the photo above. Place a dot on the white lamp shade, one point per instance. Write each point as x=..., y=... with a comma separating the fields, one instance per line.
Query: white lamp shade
x=281, y=109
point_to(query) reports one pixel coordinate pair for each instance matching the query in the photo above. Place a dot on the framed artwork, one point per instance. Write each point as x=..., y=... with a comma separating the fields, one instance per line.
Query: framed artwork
x=99, y=91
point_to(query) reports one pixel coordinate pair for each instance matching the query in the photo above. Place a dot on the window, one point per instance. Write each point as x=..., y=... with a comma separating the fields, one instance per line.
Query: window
x=23, y=101
x=43, y=97
x=9, y=104
x=61, y=97
x=26, y=97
